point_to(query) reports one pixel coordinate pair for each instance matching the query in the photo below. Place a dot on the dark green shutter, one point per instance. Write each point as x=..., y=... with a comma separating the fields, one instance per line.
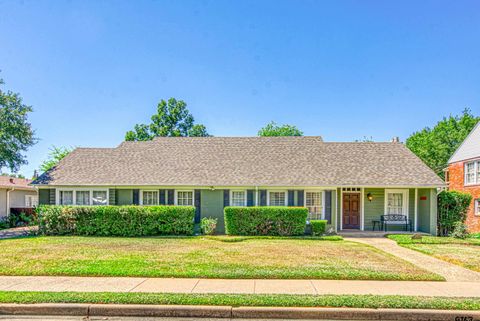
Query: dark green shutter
x=136, y=196
x=163, y=201
x=198, y=205
x=300, y=201
x=171, y=196
x=112, y=196
x=52, y=196
x=291, y=198
x=263, y=197
x=250, y=197
x=226, y=197
x=328, y=206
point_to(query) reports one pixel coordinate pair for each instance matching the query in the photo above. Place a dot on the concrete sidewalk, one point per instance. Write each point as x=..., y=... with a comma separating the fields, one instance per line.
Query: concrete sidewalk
x=171, y=285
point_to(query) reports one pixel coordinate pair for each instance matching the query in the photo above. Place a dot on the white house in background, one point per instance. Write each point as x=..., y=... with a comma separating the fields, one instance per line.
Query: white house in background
x=16, y=193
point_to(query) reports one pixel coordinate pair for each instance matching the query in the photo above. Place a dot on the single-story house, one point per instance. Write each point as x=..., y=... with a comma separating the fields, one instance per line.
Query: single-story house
x=463, y=174
x=349, y=184
x=16, y=193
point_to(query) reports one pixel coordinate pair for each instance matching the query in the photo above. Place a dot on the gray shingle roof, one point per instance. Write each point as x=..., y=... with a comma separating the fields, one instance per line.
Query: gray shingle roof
x=243, y=161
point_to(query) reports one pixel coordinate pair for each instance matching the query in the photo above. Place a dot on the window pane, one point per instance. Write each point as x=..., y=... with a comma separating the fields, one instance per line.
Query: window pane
x=238, y=198
x=277, y=198
x=313, y=202
x=185, y=198
x=470, y=173
x=66, y=197
x=477, y=207
x=150, y=198
x=82, y=198
x=478, y=172
x=395, y=203
x=99, y=198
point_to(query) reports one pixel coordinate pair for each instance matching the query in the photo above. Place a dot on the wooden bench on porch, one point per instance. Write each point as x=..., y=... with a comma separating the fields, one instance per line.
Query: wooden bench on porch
x=396, y=219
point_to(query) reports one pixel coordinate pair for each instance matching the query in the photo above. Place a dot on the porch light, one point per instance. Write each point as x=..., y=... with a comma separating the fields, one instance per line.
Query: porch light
x=370, y=197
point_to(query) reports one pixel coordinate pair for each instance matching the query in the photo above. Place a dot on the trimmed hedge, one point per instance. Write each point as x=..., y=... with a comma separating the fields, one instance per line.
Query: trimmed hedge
x=318, y=227
x=116, y=220
x=265, y=220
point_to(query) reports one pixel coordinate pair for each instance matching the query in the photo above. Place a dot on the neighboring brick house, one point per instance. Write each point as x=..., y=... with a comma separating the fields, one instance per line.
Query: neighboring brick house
x=349, y=184
x=463, y=175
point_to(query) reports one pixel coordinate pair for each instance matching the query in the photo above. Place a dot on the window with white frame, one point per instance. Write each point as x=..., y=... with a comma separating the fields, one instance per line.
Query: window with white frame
x=82, y=197
x=472, y=173
x=314, y=204
x=185, y=198
x=477, y=207
x=99, y=198
x=31, y=200
x=238, y=198
x=65, y=198
x=396, y=202
x=149, y=197
x=277, y=198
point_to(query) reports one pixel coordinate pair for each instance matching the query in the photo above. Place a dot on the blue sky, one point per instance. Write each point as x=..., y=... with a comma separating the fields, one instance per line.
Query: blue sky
x=340, y=69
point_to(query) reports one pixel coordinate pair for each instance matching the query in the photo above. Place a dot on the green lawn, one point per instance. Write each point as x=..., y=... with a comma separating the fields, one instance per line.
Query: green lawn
x=351, y=301
x=205, y=257
x=465, y=252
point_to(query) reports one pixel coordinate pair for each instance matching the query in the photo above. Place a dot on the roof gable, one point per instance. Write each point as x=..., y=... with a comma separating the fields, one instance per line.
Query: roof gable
x=470, y=147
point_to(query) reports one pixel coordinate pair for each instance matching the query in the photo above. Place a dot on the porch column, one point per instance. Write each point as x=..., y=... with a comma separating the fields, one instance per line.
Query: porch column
x=415, y=219
x=362, y=209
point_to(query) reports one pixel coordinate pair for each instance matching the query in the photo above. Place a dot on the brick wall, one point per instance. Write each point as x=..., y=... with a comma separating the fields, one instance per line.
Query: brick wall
x=456, y=174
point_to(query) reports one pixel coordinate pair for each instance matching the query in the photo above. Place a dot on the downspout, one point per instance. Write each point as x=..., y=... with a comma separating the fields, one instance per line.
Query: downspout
x=256, y=195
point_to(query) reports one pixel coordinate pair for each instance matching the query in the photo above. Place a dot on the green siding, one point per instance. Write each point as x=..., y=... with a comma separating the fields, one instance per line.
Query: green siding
x=124, y=197
x=52, y=196
x=427, y=210
x=212, y=206
x=411, y=206
x=375, y=208
x=44, y=196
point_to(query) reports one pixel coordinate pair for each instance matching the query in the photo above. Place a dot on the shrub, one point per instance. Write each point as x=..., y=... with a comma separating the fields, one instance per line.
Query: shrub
x=116, y=220
x=460, y=230
x=208, y=225
x=452, y=208
x=318, y=227
x=265, y=220
x=22, y=217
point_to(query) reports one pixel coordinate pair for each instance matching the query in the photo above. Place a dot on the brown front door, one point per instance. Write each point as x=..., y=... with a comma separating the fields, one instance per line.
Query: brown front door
x=351, y=211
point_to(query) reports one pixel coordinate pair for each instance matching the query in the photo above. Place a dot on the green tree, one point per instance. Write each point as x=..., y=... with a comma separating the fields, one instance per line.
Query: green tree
x=55, y=155
x=436, y=145
x=16, y=133
x=272, y=129
x=172, y=119
x=13, y=175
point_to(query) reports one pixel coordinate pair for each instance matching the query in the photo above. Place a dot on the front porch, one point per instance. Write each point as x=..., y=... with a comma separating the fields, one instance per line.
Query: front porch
x=360, y=209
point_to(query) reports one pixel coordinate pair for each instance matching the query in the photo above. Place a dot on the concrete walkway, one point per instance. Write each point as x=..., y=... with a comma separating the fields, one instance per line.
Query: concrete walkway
x=451, y=272
x=173, y=285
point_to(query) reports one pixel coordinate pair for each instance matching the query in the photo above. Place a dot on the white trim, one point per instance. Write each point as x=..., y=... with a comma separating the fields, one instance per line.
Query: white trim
x=415, y=222
x=476, y=206
x=81, y=189
x=341, y=209
x=184, y=190
x=277, y=191
x=237, y=190
x=476, y=178
x=140, y=201
x=406, y=203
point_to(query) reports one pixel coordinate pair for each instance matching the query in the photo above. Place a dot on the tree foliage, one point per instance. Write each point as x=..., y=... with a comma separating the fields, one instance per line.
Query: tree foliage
x=172, y=119
x=16, y=133
x=452, y=209
x=436, y=145
x=55, y=155
x=272, y=129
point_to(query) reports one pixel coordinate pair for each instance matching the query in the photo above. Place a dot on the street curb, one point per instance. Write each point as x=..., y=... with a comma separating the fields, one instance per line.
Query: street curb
x=70, y=309
x=199, y=311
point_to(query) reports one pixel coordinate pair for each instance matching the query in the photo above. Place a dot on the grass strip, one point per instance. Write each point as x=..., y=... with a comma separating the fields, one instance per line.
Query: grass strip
x=352, y=301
